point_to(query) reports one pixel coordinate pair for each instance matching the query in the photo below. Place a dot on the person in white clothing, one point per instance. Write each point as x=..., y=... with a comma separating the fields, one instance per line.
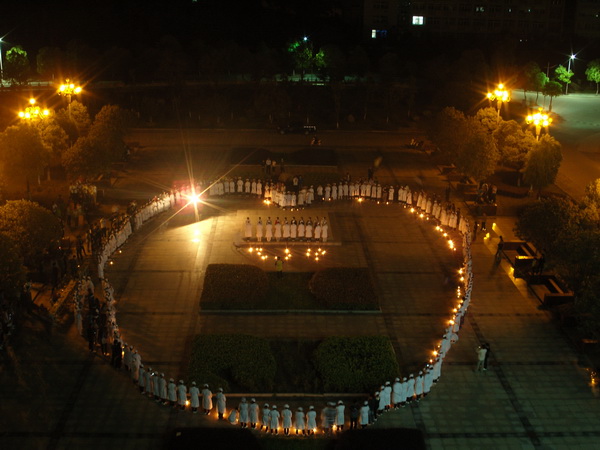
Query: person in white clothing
x=387, y=394
x=299, y=422
x=266, y=417
x=286, y=416
x=397, y=393
x=172, y=391
x=410, y=388
x=233, y=416
x=221, y=403
x=364, y=414
x=419, y=385
x=243, y=408
x=194, y=397
x=311, y=420
x=206, y=400
x=253, y=413
x=339, y=415
x=181, y=395
x=274, y=420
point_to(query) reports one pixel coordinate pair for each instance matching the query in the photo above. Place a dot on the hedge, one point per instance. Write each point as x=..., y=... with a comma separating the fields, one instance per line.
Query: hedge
x=350, y=288
x=246, y=360
x=234, y=284
x=355, y=364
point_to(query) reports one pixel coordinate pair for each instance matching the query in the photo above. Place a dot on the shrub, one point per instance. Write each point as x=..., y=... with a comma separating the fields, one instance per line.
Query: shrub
x=351, y=288
x=246, y=360
x=355, y=364
x=234, y=284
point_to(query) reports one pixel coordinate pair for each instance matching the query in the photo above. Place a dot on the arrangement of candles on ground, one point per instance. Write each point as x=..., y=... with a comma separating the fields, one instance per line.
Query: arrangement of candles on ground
x=264, y=255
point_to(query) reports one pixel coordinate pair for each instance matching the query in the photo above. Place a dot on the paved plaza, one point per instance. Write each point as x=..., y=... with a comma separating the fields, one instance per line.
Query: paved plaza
x=534, y=395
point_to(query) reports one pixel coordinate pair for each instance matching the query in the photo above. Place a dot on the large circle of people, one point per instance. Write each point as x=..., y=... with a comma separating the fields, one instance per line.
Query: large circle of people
x=101, y=328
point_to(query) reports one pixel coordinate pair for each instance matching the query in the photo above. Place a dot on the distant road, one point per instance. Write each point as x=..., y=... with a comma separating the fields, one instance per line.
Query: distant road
x=578, y=129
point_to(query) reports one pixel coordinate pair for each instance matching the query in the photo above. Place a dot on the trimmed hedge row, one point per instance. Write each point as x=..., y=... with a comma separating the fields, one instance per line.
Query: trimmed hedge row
x=355, y=364
x=350, y=288
x=244, y=286
x=342, y=364
x=234, y=284
x=245, y=360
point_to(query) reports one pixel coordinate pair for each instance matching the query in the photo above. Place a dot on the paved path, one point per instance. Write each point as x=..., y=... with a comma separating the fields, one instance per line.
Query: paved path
x=533, y=396
x=55, y=395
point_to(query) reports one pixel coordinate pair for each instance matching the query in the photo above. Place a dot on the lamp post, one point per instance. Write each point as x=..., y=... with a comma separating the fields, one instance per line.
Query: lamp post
x=1, y=64
x=539, y=119
x=33, y=112
x=501, y=95
x=67, y=89
x=571, y=58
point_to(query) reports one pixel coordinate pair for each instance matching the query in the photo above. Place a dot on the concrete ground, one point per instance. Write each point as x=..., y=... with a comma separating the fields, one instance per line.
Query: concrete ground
x=55, y=394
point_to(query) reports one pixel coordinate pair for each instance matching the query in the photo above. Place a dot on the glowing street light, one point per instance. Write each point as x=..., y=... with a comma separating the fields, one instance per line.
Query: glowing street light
x=1, y=66
x=501, y=95
x=571, y=58
x=33, y=112
x=68, y=89
x=539, y=119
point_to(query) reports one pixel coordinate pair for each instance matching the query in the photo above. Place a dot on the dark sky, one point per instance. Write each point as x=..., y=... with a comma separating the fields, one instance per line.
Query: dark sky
x=135, y=23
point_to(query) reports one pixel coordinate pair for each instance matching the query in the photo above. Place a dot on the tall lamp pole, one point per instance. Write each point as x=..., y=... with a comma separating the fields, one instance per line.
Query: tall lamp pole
x=33, y=114
x=539, y=119
x=501, y=95
x=67, y=89
x=571, y=58
x=1, y=64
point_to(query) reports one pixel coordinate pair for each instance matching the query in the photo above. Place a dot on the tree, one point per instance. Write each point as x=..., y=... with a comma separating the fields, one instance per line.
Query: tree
x=17, y=67
x=530, y=72
x=593, y=72
x=488, y=117
x=539, y=83
x=545, y=222
x=543, y=163
x=552, y=89
x=478, y=155
x=12, y=274
x=591, y=202
x=513, y=144
x=563, y=74
x=448, y=132
x=77, y=123
x=22, y=151
x=95, y=152
x=31, y=227
x=49, y=62
x=54, y=138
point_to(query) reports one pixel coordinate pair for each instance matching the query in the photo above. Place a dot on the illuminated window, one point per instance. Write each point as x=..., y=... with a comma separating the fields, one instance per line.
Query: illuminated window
x=418, y=20
x=479, y=9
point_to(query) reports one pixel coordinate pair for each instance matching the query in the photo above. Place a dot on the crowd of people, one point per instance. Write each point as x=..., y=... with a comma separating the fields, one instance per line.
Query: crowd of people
x=102, y=330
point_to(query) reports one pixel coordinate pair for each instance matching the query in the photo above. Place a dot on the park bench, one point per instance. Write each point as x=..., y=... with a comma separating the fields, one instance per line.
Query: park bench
x=550, y=291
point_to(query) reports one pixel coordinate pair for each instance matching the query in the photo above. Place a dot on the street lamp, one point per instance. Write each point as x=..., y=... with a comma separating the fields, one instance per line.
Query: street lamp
x=33, y=112
x=571, y=58
x=1, y=65
x=501, y=95
x=67, y=89
x=539, y=119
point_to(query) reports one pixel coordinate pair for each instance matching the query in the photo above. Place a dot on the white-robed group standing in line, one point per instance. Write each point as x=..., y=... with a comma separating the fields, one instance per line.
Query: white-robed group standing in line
x=389, y=396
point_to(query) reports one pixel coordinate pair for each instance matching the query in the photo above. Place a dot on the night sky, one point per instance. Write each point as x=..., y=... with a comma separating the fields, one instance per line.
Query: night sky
x=134, y=24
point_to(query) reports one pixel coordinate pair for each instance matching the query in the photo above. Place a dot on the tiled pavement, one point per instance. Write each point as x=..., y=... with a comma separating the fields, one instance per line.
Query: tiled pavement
x=534, y=395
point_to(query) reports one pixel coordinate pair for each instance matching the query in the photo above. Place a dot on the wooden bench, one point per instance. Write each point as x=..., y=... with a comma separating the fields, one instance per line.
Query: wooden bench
x=549, y=290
